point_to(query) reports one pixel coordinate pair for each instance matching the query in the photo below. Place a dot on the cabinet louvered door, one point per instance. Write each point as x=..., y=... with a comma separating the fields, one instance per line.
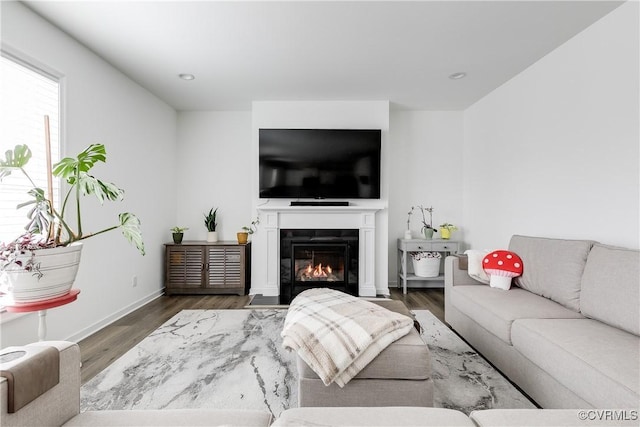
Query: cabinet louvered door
x=225, y=267
x=184, y=267
x=207, y=268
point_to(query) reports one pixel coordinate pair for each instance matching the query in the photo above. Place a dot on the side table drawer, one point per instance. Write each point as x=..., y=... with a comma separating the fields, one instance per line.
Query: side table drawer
x=418, y=246
x=444, y=247
x=436, y=247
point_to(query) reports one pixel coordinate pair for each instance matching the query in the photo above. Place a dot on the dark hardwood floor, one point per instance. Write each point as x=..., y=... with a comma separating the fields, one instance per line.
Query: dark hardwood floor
x=102, y=348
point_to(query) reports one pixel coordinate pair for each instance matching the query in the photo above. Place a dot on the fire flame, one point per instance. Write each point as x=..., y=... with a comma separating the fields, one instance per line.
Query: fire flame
x=318, y=271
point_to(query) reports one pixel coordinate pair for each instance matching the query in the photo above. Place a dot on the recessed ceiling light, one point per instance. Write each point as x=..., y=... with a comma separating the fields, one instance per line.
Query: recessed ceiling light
x=458, y=76
x=186, y=76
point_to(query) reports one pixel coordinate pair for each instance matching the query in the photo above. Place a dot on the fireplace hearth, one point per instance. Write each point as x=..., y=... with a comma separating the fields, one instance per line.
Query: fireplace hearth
x=324, y=258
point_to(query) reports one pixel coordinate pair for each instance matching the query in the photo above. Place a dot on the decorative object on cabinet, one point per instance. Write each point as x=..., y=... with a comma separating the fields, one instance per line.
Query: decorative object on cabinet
x=407, y=246
x=211, y=224
x=426, y=263
x=446, y=229
x=197, y=267
x=407, y=232
x=177, y=234
x=427, y=227
x=253, y=227
x=243, y=235
x=50, y=244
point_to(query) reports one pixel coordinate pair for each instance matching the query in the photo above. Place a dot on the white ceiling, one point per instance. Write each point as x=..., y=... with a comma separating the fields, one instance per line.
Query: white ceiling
x=323, y=50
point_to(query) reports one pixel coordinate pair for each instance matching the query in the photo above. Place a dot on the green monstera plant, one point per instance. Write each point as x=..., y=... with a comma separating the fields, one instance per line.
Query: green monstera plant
x=50, y=224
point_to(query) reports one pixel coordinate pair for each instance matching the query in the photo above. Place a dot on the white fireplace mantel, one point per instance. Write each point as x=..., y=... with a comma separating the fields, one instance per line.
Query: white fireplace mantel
x=273, y=218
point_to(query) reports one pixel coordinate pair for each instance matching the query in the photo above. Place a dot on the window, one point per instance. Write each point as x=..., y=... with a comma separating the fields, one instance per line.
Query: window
x=27, y=95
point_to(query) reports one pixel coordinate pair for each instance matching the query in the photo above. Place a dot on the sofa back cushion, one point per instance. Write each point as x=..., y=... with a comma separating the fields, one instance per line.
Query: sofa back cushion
x=552, y=267
x=611, y=287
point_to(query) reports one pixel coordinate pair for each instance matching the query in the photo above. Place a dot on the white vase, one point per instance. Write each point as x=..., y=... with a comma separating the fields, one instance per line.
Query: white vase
x=212, y=236
x=58, y=266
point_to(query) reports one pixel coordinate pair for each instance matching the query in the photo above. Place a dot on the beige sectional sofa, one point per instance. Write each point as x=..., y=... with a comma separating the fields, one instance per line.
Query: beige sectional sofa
x=60, y=406
x=568, y=332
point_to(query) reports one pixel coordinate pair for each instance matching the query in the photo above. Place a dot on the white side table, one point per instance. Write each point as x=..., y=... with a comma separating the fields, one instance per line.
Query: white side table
x=446, y=247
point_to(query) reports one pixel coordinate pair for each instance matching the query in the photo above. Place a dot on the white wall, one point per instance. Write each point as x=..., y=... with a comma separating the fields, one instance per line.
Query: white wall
x=214, y=169
x=425, y=158
x=139, y=132
x=323, y=114
x=554, y=151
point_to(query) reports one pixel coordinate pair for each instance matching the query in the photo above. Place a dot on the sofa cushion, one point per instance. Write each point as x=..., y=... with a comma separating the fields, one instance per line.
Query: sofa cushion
x=552, y=267
x=172, y=417
x=611, y=287
x=496, y=309
x=407, y=358
x=384, y=416
x=599, y=362
x=552, y=418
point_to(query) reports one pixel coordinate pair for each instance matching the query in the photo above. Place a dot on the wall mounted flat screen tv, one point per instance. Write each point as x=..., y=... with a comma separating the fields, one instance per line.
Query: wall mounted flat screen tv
x=319, y=163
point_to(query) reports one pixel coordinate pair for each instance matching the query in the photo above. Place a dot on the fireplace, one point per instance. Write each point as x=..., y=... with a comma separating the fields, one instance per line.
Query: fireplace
x=325, y=258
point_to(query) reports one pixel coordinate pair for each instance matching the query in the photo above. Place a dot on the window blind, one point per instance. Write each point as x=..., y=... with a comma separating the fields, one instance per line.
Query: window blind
x=26, y=96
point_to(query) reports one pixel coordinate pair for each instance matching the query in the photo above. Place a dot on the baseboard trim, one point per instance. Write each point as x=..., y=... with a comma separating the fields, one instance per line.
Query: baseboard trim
x=92, y=329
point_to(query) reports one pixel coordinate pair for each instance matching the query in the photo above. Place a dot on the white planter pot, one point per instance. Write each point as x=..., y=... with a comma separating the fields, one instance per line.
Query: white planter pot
x=59, y=267
x=212, y=236
x=426, y=267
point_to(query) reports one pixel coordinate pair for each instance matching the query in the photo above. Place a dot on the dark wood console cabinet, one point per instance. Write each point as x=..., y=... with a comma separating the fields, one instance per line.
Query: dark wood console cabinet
x=199, y=267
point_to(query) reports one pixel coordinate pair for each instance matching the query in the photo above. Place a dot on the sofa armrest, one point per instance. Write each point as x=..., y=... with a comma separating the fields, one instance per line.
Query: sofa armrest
x=56, y=406
x=454, y=275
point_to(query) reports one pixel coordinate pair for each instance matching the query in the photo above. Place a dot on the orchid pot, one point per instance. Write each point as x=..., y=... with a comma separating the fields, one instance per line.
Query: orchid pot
x=428, y=233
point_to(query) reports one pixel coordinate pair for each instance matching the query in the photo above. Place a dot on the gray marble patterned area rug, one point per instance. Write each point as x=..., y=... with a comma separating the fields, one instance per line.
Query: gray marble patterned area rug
x=233, y=359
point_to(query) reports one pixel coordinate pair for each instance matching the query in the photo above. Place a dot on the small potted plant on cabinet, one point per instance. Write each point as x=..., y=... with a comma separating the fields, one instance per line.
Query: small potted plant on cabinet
x=210, y=222
x=427, y=228
x=42, y=263
x=243, y=236
x=446, y=229
x=177, y=234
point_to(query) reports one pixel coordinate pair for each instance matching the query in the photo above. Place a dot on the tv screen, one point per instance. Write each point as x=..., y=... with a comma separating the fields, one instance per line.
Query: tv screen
x=319, y=163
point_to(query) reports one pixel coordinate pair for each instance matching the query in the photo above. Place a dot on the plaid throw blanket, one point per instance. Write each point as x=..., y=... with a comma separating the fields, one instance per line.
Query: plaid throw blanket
x=337, y=334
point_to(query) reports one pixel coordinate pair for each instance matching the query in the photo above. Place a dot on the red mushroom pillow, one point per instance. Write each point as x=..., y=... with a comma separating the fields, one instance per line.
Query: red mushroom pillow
x=502, y=266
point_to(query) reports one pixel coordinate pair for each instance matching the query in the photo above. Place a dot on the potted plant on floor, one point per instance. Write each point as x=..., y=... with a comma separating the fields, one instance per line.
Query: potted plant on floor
x=211, y=224
x=243, y=236
x=178, y=233
x=42, y=263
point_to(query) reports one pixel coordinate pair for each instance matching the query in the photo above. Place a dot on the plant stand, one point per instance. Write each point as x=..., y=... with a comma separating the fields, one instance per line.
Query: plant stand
x=446, y=247
x=41, y=307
